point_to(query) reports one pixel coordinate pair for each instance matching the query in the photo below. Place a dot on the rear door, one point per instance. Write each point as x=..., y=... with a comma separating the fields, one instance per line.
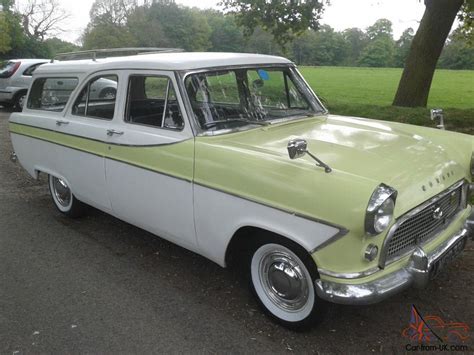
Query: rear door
x=149, y=159
x=84, y=128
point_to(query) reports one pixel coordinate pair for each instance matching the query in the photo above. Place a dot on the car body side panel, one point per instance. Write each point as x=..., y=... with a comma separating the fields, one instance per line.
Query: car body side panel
x=219, y=215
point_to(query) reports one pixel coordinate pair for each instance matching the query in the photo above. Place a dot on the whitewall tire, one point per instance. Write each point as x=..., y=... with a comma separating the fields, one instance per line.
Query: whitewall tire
x=283, y=283
x=64, y=199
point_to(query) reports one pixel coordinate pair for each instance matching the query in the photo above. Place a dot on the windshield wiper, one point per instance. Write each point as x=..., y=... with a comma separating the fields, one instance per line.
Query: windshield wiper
x=215, y=123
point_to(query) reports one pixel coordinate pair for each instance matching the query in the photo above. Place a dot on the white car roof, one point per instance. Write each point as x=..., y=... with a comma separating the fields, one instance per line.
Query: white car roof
x=29, y=60
x=160, y=61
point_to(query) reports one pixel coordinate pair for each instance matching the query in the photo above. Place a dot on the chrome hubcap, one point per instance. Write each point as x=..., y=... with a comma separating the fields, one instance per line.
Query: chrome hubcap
x=283, y=280
x=61, y=192
x=21, y=101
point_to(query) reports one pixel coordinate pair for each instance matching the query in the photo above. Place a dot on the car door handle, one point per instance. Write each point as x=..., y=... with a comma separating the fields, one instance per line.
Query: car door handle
x=60, y=123
x=111, y=132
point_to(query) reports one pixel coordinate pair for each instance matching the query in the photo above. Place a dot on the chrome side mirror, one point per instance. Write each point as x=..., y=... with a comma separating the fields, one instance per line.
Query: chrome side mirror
x=297, y=148
x=438, y=114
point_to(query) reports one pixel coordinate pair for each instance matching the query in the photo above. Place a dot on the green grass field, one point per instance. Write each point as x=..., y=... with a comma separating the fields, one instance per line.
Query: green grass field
x=368, y=92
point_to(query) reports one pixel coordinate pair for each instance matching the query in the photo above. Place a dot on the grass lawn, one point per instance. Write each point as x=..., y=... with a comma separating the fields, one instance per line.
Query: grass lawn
x=368, y=92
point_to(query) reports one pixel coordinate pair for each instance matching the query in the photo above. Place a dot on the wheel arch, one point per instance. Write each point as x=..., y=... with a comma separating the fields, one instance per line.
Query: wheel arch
x=246, y=238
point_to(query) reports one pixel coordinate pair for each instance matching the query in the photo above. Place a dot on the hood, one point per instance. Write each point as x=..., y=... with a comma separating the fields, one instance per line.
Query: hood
x=379, y=152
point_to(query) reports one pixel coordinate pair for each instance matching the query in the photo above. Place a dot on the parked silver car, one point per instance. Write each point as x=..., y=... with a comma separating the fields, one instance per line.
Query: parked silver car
x=15, y=79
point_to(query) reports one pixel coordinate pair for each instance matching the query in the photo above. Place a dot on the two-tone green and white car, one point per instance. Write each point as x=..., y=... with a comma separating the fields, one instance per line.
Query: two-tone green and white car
x=234, y=157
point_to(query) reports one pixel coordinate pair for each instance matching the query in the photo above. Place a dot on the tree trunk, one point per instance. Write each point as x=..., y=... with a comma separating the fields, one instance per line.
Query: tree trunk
x=425, y=50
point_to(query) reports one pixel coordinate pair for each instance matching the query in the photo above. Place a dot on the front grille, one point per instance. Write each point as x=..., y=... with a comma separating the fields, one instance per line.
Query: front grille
x=423, y=225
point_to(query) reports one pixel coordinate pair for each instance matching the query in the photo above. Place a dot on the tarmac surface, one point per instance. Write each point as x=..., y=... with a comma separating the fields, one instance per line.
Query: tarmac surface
x=99, y=285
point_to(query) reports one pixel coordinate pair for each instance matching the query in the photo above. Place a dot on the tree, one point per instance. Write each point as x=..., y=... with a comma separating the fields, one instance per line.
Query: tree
x=113, y=12
x=42, y=18
x=415, y=83
x=403, y=47
x=108, y=25
x=356, y=41
x=283, y=19
x=225, y=35
x=5, y=39
x=458, y=52
x=56, y=45
x=381, y=28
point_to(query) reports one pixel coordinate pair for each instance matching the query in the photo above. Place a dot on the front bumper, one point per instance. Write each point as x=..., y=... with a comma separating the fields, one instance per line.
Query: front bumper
x=417, y=273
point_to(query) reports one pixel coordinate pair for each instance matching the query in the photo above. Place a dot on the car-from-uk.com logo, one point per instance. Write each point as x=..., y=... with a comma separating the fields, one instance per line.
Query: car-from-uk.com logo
x=432, y=333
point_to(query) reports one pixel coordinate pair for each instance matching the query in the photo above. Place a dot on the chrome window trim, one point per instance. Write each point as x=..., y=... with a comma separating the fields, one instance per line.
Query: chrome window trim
x=201, y=132
x=384, y=250
x=169, y=84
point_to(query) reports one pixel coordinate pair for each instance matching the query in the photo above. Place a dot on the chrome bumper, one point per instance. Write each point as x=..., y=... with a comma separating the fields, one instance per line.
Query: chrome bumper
x=416, y=273
x=470, y=223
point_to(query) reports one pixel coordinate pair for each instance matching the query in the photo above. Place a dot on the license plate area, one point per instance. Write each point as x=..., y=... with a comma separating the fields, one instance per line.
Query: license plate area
x=447, y=258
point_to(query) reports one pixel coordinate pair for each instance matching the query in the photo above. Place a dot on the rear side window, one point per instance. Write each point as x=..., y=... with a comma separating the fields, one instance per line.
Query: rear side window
x=8, y=69
x=29, y=71
x=97, y=98
x=51, y=94
x=152, y=102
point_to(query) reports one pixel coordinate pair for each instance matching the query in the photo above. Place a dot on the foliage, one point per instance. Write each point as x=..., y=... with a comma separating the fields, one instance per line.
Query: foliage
x=5, y=39
x=56, y=45
x=403, y=47
x=283, y=19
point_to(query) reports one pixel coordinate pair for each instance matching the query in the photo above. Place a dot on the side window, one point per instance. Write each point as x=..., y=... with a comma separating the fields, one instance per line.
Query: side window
x=97, y=98
x=152, y=101
x=29, y=71
x=51, y=94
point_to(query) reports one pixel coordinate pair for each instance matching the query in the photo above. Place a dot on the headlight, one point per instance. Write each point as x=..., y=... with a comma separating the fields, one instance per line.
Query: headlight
x=379, y=212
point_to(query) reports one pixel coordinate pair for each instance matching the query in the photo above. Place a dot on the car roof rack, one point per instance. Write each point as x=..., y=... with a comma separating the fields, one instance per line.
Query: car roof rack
x=94, y=54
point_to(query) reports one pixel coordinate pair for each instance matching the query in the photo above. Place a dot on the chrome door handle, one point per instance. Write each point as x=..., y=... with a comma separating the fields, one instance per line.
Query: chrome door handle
x=111, y=132
x=60, y=123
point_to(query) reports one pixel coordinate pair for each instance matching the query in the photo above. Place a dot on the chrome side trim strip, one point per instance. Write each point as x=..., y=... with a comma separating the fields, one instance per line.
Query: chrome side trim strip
x=96, y=140
x=105, y=157
x=384, y=250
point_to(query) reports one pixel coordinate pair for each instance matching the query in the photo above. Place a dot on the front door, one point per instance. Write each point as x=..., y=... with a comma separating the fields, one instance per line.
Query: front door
x=149, y=159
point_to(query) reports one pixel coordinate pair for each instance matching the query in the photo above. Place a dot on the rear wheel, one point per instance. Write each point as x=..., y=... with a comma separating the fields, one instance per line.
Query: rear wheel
x=282, y=279
x=19, y=100
x=63, y=198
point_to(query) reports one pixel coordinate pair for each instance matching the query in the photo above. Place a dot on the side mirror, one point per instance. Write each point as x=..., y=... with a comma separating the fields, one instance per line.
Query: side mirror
x=438, y=114
x=297, y=148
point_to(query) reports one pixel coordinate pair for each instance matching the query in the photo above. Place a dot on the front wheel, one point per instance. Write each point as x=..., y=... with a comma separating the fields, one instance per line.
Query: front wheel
x=63, y=198
x=282, y=278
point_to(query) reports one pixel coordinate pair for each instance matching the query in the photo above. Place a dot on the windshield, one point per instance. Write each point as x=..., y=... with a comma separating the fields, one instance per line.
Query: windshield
x=236, y=97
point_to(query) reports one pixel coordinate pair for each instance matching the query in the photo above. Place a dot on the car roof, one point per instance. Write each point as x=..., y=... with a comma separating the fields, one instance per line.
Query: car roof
x=29, y=60
x=161, y=61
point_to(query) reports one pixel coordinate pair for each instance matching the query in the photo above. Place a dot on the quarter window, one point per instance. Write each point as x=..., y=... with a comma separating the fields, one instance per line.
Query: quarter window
x=51, y=94
x=152, y=101
x=97, y=98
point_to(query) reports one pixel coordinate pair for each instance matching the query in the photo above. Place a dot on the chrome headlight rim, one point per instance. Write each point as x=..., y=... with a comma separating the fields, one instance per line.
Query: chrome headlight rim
x=381, y=204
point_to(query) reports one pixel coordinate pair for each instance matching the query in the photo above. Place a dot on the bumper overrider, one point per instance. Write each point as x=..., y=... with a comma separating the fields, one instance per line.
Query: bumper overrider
x=421, y=268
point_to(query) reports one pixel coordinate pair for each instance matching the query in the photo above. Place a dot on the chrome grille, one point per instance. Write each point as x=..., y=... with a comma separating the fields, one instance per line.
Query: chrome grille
x=423, y=225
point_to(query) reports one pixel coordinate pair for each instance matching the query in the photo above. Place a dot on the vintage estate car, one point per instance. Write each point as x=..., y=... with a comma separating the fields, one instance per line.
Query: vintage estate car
x=234, y=157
